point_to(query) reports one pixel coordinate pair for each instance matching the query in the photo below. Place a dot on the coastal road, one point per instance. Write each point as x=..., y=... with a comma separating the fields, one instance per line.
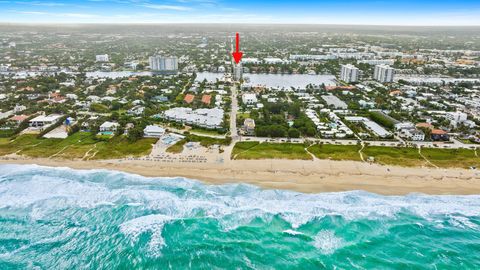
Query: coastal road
x=233, y=114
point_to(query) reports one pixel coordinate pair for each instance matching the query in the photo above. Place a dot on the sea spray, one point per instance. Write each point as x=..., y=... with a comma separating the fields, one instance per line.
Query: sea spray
x=61, y=218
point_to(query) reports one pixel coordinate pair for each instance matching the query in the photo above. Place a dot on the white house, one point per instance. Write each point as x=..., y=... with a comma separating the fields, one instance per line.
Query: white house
x=414, y=134
x=153, y=131
x=109, y=126
x=43, y=121
x=102, y=58
x=249, y=98
x=19, y=108
x=71, y=96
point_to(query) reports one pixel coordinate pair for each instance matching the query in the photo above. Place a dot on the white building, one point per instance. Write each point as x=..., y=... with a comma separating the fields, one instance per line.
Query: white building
x=378, y=61
x=404, y=125
x=456, y=118
x=43, y=121
x=206, y=118
x=249, y=98
x=383, y=73
x=102, y=58
x=19, y=108
x=349, y=73
x=153, y=131
x=167, y=64
x=109, y=126
x=414, y=134
x=334, y=101
x=409, y=131
x=274, y=60
x=370, y=125
x=71, y=96
x=237, y=71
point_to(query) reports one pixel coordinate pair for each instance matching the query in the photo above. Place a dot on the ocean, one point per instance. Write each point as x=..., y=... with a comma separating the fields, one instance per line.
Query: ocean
x=59, y=218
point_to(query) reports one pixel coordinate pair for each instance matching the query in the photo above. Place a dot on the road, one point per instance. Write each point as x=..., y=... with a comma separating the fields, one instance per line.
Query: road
x=456, y=145
x=234, y=110
x=233, y=114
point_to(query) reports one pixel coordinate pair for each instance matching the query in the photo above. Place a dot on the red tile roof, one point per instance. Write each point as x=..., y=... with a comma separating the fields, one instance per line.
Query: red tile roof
x=206, y=99
x=340, y=87
x=189, y=98
x=18, y=118
x=424, y=125
x=438, y=132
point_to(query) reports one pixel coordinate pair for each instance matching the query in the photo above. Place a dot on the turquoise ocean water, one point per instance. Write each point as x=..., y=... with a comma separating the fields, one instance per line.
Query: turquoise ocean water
x=69, y=219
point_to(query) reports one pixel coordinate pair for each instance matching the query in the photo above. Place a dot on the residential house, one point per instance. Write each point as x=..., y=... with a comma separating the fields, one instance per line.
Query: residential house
x=153, y=131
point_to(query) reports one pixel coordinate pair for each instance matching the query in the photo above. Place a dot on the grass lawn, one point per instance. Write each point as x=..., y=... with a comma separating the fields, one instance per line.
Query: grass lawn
x=460, y=158
x=206, y=131
x=336, y=152
x=401, y=156
x=75, y=146
x=176, y=148
x=9, y=146
x=241, y=147
x=272, y=151
x=208, y=141
x=49, y=147
x=119, y=147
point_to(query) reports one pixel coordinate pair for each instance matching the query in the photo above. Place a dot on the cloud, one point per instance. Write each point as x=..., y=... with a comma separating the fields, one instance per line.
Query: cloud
x=32, y=12
x=167, y=7
x=39, y=3
x=66, y=15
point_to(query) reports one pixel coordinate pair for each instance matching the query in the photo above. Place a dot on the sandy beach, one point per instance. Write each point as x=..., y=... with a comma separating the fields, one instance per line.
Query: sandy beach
x=298, y=175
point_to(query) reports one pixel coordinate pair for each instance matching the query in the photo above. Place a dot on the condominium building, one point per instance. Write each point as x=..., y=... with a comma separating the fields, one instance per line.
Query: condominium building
x=164, y=64
x=206, y=118
x=237, y=71
x=349, y=73
x=383, y=73
x=456, y=118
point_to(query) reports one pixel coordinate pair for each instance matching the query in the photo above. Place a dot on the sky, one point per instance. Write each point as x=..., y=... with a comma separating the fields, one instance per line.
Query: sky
x=356, y=12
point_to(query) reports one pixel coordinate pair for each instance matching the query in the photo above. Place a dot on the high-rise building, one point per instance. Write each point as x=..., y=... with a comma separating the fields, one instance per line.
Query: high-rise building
x=102, y=58
x=164, y=64
x=237, y=71
x=349, y=73
x=383, y=73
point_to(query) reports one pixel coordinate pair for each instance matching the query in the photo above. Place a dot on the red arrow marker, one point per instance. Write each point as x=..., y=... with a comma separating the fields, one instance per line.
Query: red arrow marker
x=237, y=55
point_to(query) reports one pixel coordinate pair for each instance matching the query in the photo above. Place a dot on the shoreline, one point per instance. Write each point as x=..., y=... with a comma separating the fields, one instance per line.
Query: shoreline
x=297, y=175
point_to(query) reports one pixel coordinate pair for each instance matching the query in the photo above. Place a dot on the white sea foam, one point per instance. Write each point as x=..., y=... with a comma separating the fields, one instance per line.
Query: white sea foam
x=151, y=223
x=327, y=242
x=292, y=232
x=44, y=189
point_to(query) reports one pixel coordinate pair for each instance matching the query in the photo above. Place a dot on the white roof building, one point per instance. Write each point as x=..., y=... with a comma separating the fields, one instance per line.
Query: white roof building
x=42, y=120
x=372, y=126
x=102, y=58
x=334, y=101
x=249, y=98
x=153, y=131
x=207, y=118
x=109, y=126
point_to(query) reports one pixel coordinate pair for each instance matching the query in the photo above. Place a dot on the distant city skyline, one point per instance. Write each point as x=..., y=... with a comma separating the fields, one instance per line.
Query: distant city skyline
x=367, y=12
